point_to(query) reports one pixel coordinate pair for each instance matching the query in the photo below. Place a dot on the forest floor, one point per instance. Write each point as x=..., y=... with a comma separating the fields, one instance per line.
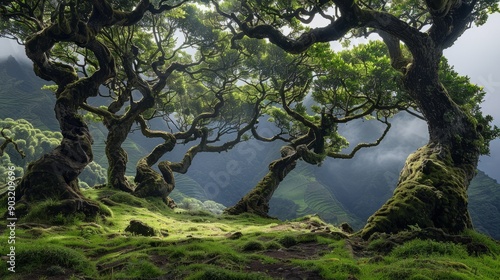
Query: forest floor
x=194, y=244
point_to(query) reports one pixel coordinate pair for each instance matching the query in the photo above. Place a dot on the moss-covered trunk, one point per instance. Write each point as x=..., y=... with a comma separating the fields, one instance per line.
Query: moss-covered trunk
x=117, y=156
x=151, y=183
x=257, y=200
x=119, y=126
x=54, y=175
x=432, y=188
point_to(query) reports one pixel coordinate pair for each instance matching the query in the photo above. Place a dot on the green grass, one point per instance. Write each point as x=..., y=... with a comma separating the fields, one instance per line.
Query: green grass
x=197, y=245
x=427, y=259
x=215, y=273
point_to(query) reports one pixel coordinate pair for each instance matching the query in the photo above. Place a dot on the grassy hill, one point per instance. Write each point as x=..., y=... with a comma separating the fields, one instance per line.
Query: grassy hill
x=194, y=244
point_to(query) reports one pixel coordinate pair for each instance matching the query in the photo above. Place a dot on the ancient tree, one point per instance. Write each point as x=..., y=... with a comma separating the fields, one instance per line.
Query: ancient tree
x=152, y=75
x=49, y=32
x=309, y=96
x=211, y=111
x=432, y=187
x=160, y=78
x=170, y=61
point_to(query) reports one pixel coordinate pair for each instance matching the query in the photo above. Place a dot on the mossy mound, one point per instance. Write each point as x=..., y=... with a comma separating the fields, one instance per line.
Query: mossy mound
x=431, y=193
x=65, y=212
x=52, y=260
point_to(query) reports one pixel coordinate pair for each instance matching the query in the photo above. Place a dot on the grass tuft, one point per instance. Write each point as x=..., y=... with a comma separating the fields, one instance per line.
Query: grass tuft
x=222, y=274
x=287, y=241
x=426, y=248
x=253, y=246
x=52, y=259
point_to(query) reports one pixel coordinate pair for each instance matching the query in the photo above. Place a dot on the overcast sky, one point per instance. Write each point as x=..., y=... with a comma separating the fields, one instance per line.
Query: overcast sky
x=475, y=54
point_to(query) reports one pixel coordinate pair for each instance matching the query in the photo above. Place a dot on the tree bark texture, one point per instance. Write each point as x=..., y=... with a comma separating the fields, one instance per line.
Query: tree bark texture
x=151, y=183
x=55, y=174
x=117, y=156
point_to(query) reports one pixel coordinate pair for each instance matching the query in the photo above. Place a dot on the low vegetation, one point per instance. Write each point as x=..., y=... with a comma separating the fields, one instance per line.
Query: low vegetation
x=196, y=244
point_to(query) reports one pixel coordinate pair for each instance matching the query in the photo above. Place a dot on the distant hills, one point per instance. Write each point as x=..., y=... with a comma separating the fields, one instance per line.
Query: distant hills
x=484, y=204
x=21, y=95
x=338, y=191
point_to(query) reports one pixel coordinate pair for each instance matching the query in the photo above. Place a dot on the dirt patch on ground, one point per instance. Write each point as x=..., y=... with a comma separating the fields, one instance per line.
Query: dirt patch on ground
x=284, y=268
x=281, y=268
x=304, y=251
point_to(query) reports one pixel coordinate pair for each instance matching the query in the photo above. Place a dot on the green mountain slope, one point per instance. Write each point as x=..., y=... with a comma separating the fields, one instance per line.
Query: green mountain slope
x=300, y=191
x=484, y=204
x=22, y=97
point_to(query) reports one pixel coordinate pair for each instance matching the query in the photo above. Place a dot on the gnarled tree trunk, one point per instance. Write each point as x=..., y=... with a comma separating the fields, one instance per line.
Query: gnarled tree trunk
x=257, y=200
x=117, y=156
x=151, y=183
x=432, y=188
x=55, y=175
